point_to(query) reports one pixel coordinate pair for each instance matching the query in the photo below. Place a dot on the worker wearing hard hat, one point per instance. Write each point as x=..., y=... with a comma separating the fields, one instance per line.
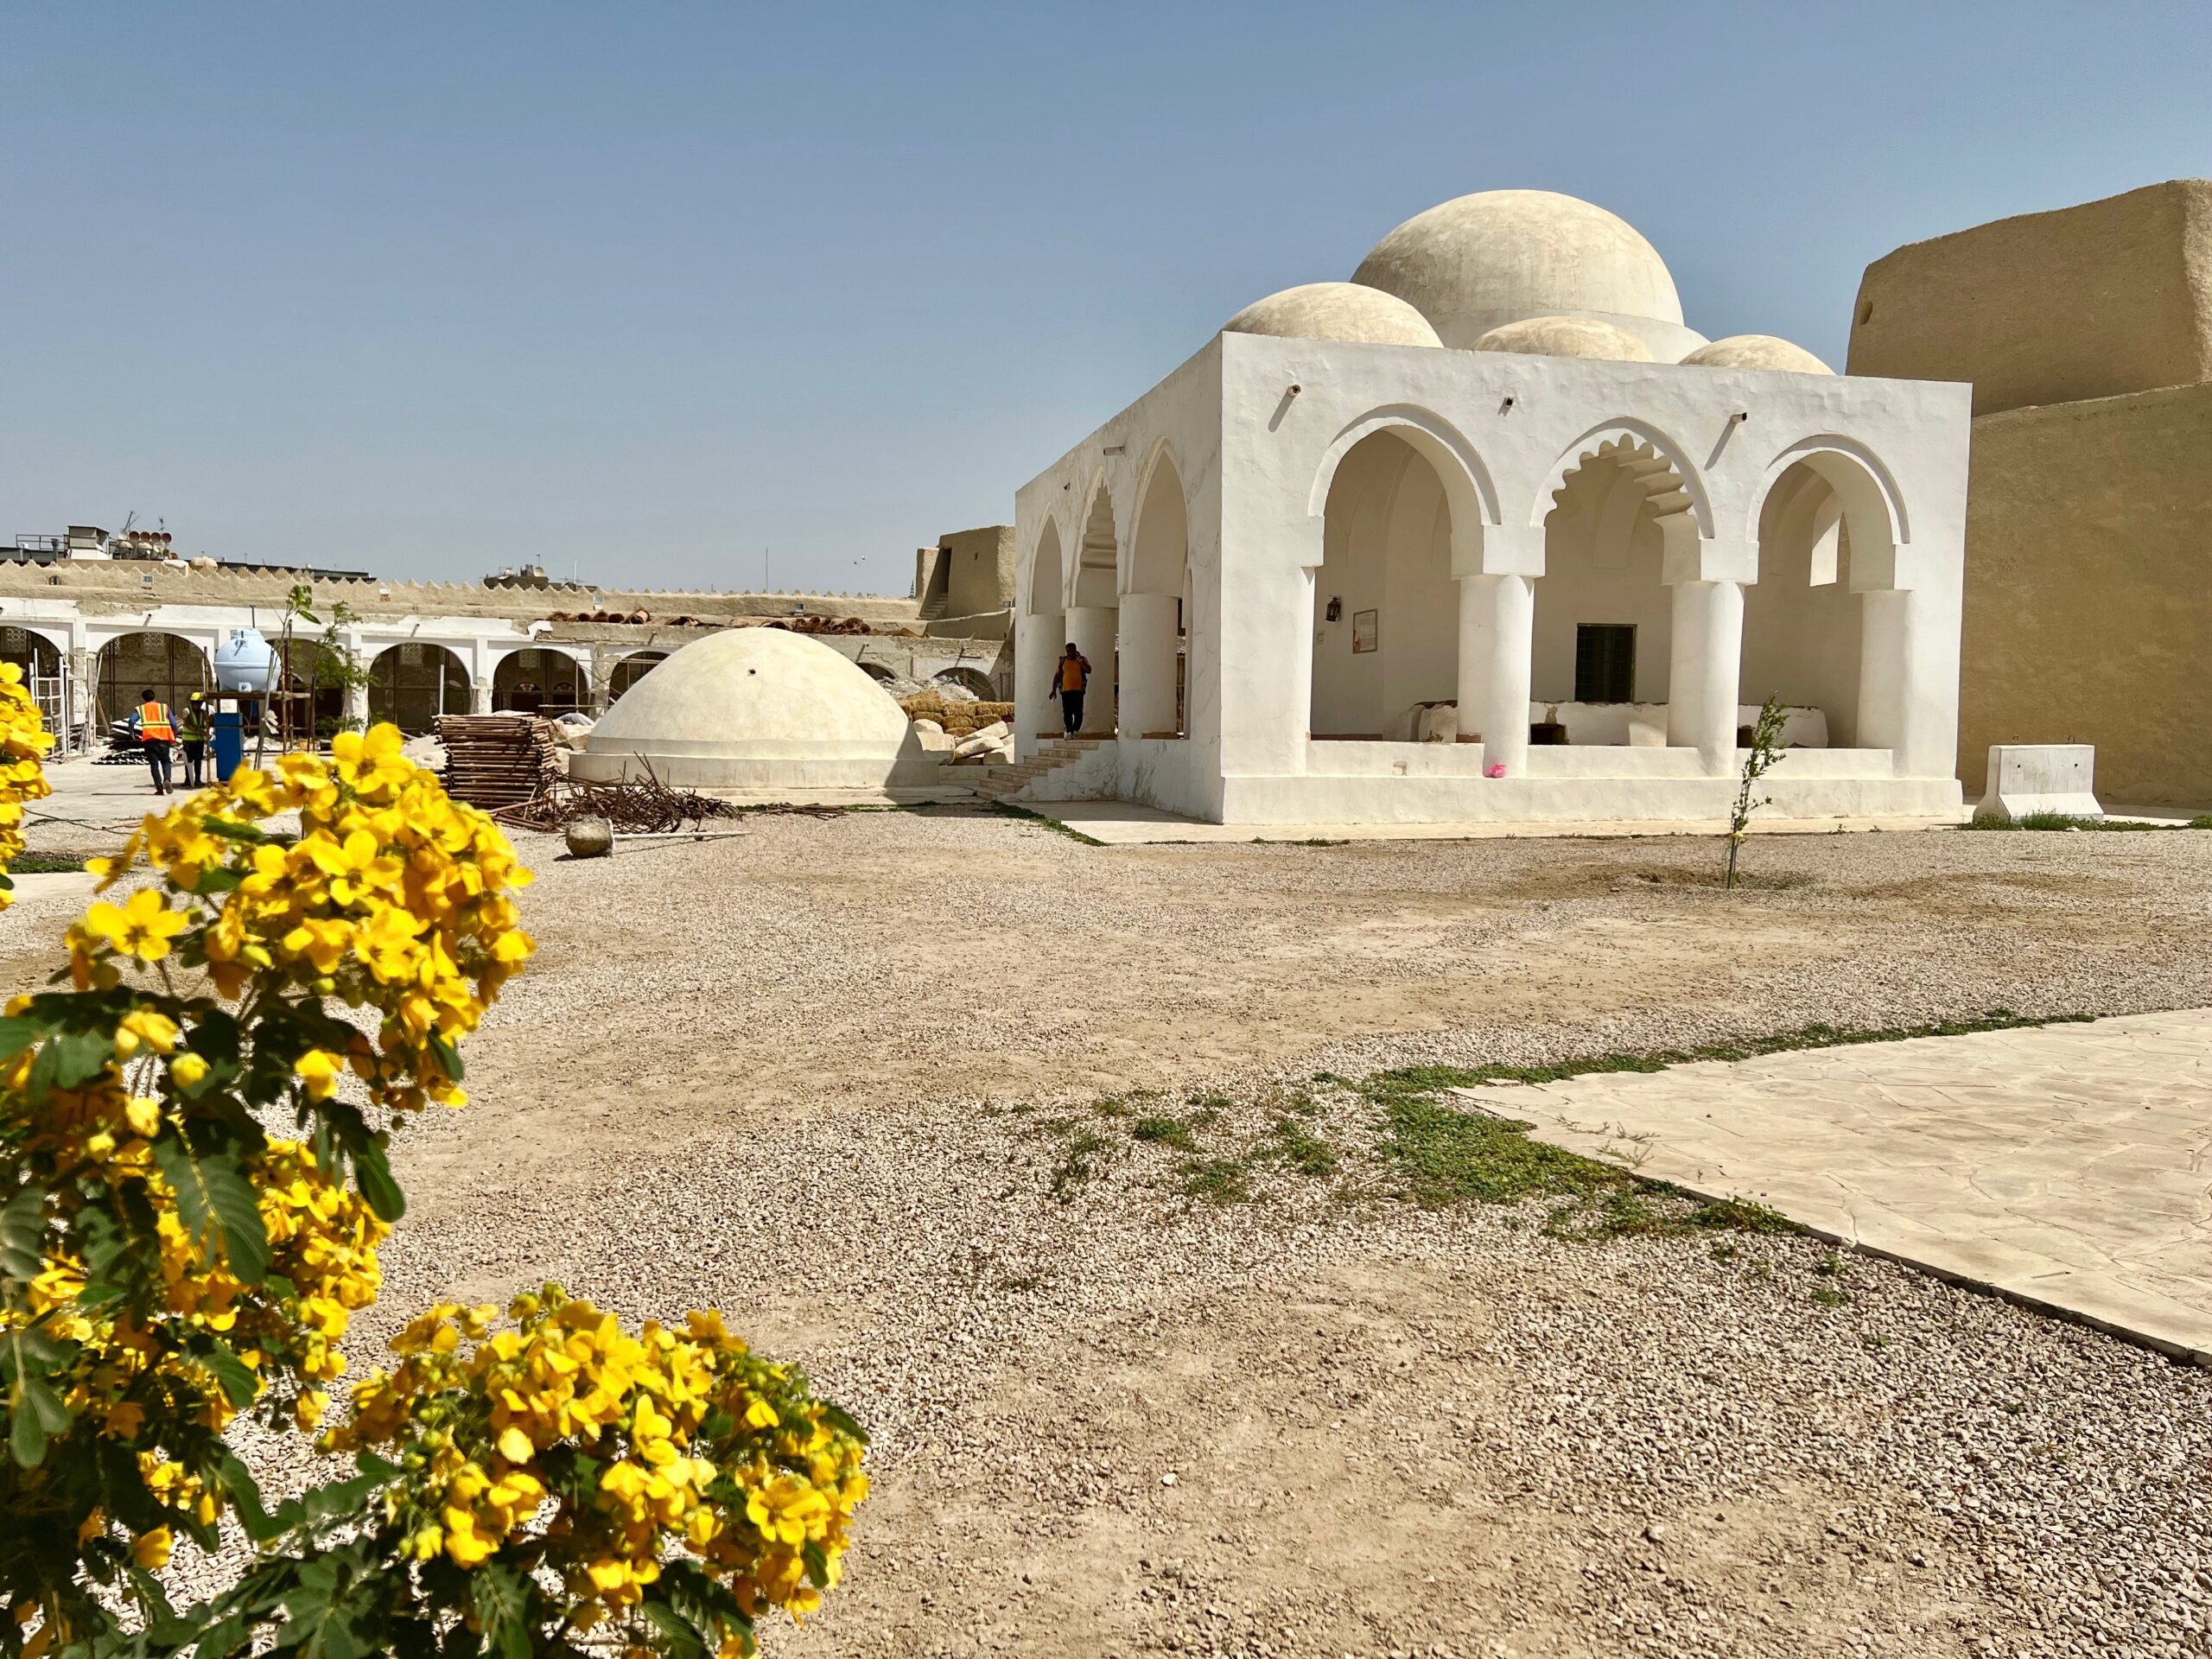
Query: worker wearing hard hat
x=192, y=736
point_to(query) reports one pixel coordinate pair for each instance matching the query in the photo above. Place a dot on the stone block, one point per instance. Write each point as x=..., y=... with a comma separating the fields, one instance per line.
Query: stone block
x=2031, y=777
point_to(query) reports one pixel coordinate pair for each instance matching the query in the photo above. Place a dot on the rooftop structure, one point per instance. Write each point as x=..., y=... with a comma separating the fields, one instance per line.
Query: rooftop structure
x=1329, y=572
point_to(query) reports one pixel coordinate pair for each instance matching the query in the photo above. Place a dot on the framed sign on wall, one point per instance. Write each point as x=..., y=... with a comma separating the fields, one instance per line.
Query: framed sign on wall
x=1366, y=632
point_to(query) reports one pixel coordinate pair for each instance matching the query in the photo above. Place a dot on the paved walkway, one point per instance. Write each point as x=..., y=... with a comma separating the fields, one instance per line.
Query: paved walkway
x=2069, y=1166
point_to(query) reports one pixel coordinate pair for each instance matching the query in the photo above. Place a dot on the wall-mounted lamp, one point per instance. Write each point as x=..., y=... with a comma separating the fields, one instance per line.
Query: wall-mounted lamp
x=1335, y=610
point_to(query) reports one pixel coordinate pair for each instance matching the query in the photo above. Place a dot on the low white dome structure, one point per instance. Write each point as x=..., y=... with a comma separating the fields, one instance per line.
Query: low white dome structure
x=753, y=708
x=1501, y=256
x=1567, y=337
x=1757, y=351
x=1335, y=311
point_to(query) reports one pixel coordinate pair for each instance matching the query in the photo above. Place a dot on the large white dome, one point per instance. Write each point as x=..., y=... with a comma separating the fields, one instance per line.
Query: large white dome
x=748, y=708
x=1335, y=311
x=1501, y=255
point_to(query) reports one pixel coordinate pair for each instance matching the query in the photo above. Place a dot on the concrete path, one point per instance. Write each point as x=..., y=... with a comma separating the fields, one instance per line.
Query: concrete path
x=2068, y=1166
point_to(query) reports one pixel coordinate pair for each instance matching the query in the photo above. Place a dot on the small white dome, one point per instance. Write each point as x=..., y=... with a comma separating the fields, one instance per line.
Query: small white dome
x=750, y=707
x=1335, y=311
x=1567, y=337
x=1501, y=256
x=1757, y=351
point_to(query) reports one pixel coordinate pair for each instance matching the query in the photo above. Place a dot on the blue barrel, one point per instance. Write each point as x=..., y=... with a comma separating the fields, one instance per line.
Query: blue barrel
x=230, y=743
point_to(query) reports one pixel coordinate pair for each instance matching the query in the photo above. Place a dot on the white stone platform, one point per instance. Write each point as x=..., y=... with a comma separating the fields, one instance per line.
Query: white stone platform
x=2068, y=1166
x=1122, y=823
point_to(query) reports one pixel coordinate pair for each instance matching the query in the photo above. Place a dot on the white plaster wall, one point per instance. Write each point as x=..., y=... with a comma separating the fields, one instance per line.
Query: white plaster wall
x=1256, y=421
x=1589, y=579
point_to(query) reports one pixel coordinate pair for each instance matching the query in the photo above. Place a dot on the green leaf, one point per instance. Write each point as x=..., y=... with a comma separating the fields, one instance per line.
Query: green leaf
x=214, y=1199
x=233, y=829
x=448, y=1055
x=232, y=1374
x=39, y=1415
x=19, y=1031
x=217, y=877
x=233, y=1476
x=79, y=1056
x=502, y=1597
x=684, y=1641
x=372, y=1173
x=22, y=1234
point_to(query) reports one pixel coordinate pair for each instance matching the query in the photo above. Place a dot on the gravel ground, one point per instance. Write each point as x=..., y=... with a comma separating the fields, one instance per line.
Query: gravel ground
x=826, y=1077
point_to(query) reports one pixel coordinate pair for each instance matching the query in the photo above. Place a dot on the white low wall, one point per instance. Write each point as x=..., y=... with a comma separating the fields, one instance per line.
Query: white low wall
x=1437, y=799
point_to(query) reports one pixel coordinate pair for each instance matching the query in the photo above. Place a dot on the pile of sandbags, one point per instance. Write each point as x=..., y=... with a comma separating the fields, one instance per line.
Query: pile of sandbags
x=956, y=716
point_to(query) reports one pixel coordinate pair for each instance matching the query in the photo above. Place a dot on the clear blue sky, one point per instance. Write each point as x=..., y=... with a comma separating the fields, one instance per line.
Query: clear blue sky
x=638, y=290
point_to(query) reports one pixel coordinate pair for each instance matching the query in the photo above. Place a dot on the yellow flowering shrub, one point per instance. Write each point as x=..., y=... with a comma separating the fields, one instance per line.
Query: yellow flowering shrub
x=168, y=1264
x=23, y=741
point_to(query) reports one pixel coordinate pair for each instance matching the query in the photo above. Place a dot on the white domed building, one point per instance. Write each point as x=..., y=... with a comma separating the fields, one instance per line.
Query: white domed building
x=1489, y=533
x=751, y=709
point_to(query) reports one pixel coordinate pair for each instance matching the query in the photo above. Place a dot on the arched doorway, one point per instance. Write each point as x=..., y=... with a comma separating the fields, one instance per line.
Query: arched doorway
x=628, y=671
x=1042, y=633
x=1386, y=619
x=309, y=707
x=537, y=681
x=972, y=680
x=411, y=684
x=172, y=665
x=1826, y=549
x=1603, y=637
x=1093, y=617
x=1154, y=611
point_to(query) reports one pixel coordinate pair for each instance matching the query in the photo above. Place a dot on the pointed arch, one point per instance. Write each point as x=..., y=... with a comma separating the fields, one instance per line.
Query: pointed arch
x=1673, y=482
x=1469, y=489
x=1872, y=506
x=1044, y=591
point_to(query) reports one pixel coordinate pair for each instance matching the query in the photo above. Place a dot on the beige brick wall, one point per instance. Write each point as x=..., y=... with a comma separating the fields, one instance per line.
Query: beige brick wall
x=2088, y=591
x=2111, y=296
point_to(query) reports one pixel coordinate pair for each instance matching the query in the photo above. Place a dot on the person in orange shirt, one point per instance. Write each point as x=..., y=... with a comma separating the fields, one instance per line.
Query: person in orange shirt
x=1070, y=676
x=157, y=734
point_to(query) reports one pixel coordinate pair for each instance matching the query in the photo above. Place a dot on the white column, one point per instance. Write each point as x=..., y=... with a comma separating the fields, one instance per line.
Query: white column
x=357, y=695
x=1497, y=623
x=1148, y=668
x=1092, y=629
x=1885, y=677
x=1703, y=670
x=481, y=669
x=1038, y=642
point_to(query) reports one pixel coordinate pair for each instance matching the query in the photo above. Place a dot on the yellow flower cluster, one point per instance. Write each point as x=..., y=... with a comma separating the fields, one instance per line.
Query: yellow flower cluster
x=691, y=1446
x=392, y=896
x=23, y=739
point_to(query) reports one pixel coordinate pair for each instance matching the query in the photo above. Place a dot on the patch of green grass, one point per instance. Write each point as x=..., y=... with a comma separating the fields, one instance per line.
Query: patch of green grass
x=1008, y=810
x=1110, y=1106
x=1076, y=1168
x=1218, y=1180
x=1831, y=1296
x=1297, y=1148
x=1446, y=1155
x=1429, y=1079
x=2068, y=821
x=1167, y=1131
x=48, y=864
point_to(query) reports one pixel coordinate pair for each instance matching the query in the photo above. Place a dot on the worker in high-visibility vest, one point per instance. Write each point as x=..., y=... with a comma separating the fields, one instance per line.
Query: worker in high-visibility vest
x=1070, y=675
x=156, y=730
x=193, y=735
